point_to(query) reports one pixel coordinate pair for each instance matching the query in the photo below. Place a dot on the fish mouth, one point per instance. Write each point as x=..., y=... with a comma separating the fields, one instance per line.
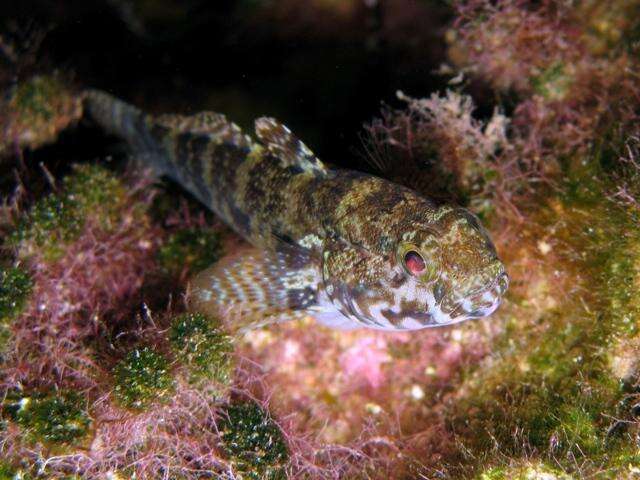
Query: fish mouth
x=440, y=309
x=477, y=305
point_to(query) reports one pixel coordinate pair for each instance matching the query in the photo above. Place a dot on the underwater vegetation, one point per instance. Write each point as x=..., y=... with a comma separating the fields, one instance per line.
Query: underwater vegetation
x=35, y=112
x=192, y=249
x=142, y=377
x=104, y=373
x=58, y=417
x=253, y=441
x=205, y=349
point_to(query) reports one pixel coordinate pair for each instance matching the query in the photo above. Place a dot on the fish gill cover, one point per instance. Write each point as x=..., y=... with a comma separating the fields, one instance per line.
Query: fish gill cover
x=524, y=112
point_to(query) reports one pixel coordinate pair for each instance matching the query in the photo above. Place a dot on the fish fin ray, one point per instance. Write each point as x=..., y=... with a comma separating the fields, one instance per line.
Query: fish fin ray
x=281, y=143
x=209, y=124
x=254, y=287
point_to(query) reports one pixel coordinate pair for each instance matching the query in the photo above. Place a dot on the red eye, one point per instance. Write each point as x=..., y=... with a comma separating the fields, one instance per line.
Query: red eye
x=414, y=262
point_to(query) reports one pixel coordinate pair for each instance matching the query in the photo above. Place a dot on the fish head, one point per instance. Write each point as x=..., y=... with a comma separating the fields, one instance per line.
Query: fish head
x=439, y=270
x=452, y=266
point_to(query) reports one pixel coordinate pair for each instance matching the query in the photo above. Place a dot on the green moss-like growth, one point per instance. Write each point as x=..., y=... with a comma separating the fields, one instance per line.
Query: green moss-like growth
x=59, y=418
x=524, y=472
x=50, y=223
x=142, y=377
x=253, y=441
x=7, y=472
x=551, y=389
x=94, y=187
x=195, y=249
x=15, y=287
x=33, y=97
x=205, y=349
x=553, y=84
x=53, y=221
x=35, y=111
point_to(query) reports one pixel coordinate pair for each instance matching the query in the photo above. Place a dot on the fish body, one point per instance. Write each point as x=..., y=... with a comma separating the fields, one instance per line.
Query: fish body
x=351, y=249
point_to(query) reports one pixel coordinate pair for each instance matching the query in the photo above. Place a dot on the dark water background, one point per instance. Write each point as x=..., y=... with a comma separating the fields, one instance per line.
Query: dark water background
x=321, y=71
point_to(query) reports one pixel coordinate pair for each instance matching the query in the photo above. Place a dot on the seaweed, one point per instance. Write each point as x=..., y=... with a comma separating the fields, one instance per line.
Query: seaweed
x=203, y=347
x=142, y=377
x=253, y=441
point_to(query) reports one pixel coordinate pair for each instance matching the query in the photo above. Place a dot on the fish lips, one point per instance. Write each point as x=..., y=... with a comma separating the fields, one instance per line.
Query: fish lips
x=448, y=311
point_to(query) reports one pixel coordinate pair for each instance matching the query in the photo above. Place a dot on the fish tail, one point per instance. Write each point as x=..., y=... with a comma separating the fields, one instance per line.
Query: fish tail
x=120, y=119
x=198, y=151
x=135, y=127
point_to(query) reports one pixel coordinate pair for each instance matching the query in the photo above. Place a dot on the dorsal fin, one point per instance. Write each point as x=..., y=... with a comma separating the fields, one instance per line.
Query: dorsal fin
x=281, y=143
x=212, y=124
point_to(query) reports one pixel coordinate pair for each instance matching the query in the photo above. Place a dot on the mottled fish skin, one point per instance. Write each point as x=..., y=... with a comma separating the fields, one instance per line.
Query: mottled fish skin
x=342, y=237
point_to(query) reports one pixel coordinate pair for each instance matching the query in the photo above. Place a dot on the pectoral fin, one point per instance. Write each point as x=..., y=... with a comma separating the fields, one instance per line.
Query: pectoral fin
x=253, y=288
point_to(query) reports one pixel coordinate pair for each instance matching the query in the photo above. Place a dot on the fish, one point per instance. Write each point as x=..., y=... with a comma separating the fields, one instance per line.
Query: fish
x=348, y=248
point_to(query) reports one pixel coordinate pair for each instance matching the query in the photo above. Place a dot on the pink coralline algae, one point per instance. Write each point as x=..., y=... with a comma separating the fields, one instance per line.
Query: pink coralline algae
x=364, y=361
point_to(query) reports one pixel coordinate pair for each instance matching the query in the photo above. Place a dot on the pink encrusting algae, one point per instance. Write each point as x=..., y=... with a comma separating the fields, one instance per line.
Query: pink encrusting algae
x=361, y=391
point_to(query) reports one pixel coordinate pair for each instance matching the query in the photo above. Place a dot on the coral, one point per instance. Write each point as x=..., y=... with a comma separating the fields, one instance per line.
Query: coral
x=35, y=112
x=253, y=441
x=190, y=250
x=202, y=347
x=57, y=417
x=142, y=377
x=365, y=360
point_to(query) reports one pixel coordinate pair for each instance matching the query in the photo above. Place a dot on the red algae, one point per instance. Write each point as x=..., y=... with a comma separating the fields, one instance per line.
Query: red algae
x=79, y=296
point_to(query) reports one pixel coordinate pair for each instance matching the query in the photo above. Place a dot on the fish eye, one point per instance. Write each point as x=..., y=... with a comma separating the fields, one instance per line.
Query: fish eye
x=414, y=263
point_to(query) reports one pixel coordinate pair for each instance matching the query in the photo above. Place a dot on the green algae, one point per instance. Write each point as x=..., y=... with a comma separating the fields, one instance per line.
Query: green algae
x=7, y=472
x=92, y=186
x=194, y=249
x=59, y=417
x=58, y=218
x=50, y=223
x=32, y=98
x=550, y=390
x=202, y=347
x=142, y=377
x=253, y=441
x=554, y=84
x=15, y=287
x=523, y=472
x=35, y=111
